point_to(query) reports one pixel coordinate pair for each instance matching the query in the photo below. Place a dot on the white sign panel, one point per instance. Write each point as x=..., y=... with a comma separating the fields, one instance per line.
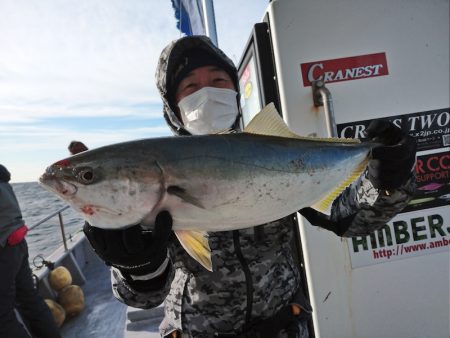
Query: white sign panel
x=408, y=235
x=424, y=226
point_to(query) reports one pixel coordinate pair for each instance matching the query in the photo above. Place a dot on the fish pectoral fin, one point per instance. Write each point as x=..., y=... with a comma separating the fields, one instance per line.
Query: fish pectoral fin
x=184, y=195
x=324, y=205
x=197, y=246
x=269, y=122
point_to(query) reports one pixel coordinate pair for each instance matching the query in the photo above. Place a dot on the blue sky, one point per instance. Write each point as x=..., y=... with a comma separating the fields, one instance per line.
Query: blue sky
x=84, y=70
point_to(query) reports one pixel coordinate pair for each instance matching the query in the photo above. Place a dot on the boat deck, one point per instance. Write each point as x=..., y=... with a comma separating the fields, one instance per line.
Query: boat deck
x=103, y=315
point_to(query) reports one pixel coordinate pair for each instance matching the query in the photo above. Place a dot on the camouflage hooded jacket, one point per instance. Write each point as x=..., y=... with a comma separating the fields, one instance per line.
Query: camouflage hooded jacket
x=254, y=271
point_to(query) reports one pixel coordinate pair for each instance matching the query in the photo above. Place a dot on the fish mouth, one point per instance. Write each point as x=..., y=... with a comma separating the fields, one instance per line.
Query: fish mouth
x=51, y=181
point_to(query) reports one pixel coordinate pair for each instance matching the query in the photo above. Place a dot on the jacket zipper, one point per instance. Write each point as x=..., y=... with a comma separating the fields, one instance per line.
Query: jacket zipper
x=248, y=276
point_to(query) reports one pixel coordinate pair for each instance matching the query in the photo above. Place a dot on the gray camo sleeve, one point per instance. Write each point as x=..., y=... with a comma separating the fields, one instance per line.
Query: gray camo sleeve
x=368, y=209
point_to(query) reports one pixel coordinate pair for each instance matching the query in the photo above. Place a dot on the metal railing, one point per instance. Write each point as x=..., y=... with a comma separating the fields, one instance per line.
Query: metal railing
x=322, y=97
x=61, y=223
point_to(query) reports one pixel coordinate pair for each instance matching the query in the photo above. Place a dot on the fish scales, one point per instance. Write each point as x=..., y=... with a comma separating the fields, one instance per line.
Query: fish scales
x=241, y=180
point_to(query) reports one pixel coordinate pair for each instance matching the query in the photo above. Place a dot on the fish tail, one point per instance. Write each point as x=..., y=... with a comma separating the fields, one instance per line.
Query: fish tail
x=324, y=205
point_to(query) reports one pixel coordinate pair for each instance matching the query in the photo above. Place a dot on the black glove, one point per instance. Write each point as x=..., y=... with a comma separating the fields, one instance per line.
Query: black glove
x=390, y=164
x=132, y=250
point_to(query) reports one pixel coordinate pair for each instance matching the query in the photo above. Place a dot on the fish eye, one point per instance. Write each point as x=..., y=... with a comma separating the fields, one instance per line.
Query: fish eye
x=86, y=175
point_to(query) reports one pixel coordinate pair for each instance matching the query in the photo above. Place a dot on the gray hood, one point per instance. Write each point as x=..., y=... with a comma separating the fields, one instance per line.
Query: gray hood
x=170, y=57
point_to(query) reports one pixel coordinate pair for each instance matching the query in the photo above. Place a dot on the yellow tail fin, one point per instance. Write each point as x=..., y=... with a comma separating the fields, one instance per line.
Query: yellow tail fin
x=324, y=204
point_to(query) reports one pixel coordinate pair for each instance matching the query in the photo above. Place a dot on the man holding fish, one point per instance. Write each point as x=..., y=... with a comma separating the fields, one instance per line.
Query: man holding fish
x=241, y=280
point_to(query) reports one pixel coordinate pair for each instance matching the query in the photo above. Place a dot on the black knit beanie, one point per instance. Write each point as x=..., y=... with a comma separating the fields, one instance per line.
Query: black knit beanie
x=192, y=59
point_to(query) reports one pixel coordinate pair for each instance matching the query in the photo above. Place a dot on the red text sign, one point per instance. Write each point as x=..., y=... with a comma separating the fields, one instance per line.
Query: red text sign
x=345, y=69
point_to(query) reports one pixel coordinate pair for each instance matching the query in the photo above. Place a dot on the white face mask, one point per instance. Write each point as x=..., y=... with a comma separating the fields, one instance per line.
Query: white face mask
x=208, y=110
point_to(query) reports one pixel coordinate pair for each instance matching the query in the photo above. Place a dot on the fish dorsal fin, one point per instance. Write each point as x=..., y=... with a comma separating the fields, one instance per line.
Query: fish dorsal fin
x=324, y=205
x=269, y=122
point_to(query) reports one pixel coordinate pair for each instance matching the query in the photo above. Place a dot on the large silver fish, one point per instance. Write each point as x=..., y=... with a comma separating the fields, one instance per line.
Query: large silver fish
x=208, y=183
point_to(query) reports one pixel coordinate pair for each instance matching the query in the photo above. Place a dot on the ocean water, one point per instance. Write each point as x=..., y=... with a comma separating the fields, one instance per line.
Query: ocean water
x=37, y=203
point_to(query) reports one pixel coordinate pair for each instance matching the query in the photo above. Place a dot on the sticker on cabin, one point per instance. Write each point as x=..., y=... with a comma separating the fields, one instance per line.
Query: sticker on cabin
x=345, y=69
x=431, y=130
x=408, y=235
x=423, y=227
x=250, y=97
